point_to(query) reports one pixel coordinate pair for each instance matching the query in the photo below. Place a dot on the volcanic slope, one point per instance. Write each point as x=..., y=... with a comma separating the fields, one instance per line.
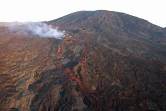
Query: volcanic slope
x=106, y=61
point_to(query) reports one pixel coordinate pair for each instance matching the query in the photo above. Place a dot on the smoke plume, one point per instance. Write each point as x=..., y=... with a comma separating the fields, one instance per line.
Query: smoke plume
x=37, y=29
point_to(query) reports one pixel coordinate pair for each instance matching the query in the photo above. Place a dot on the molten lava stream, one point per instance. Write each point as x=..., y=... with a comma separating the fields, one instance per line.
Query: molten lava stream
x=95, y=103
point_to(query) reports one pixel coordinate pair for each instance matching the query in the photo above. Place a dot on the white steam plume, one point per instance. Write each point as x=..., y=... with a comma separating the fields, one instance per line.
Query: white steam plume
x=37, y=29
x=44, y=30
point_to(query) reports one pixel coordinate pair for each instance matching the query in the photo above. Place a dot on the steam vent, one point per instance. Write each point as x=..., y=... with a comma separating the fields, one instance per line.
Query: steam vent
x=84, y=61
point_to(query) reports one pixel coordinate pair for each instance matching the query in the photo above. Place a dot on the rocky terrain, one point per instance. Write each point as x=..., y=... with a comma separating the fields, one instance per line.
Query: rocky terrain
x=106, y=61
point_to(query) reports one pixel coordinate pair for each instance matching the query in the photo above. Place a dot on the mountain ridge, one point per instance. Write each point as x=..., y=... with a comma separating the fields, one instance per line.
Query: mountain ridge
x=100, y=13
x=111, y=23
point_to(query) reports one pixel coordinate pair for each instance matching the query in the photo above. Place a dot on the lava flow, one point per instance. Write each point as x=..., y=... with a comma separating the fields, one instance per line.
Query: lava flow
x=95, y=103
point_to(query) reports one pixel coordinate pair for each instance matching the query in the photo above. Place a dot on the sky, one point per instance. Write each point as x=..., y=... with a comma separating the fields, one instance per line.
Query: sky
x=44, y=10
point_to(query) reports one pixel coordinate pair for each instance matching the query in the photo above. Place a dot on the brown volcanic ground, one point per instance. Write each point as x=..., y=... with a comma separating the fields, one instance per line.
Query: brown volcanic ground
x=120, y=59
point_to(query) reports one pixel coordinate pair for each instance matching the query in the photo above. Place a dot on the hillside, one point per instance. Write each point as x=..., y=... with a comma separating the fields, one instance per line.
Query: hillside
x=106, y=61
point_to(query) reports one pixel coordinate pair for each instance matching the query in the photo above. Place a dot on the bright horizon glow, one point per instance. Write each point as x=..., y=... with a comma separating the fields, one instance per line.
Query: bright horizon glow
x=45, y=10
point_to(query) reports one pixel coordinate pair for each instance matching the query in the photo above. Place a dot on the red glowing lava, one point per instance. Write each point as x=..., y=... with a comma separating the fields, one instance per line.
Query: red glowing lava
x=95, y=103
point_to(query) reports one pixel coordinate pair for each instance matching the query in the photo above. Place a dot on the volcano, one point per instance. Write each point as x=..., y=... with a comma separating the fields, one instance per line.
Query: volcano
x=106, y=61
